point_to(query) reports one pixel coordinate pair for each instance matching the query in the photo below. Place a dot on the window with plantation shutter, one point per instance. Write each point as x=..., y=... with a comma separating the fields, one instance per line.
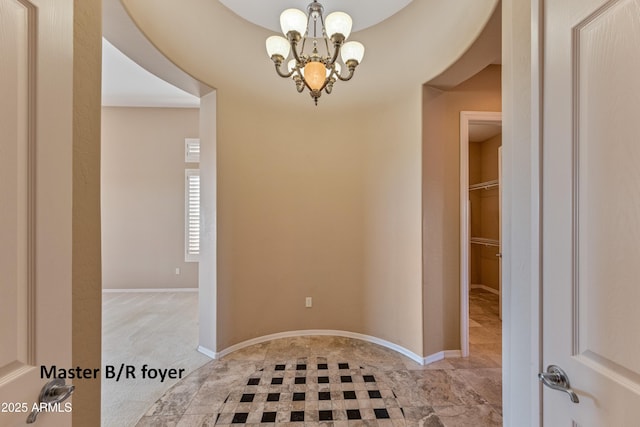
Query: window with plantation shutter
x=192, y=150
x=192, y=215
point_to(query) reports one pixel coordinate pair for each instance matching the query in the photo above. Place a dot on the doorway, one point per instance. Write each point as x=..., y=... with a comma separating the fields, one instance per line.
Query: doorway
x=480, y=223
x=150, y=240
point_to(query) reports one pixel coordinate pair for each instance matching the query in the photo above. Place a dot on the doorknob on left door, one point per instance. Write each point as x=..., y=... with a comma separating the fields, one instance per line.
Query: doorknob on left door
x=55, y=391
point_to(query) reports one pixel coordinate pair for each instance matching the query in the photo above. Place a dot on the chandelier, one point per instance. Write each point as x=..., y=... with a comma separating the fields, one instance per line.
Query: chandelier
x=305, y=34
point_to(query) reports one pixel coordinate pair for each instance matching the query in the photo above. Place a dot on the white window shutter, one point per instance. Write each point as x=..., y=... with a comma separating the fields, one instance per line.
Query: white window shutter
x=192, y=215
x=192, y=150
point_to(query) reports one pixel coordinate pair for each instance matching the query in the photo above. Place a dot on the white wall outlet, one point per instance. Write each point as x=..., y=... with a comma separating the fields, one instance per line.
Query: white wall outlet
x=177, y=271
x=308, y=302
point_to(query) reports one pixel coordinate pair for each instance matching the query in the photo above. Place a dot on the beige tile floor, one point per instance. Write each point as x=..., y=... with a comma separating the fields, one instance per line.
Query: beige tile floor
x=452, y=392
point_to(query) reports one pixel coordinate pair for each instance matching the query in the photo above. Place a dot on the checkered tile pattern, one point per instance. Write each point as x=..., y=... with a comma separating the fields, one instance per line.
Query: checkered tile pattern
x=311, y=392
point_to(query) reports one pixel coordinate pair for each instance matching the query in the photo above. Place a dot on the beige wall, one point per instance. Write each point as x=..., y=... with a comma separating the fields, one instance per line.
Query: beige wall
x=391, y=153
x=143, y=197
x=327, y=208
x=441, y=201
x=483, y=166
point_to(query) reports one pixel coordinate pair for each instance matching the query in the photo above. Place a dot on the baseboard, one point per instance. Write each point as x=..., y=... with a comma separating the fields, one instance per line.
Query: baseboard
x=446, y=354
x=485, y=288
x=207, y=352
x=109, y=291
x=322, y=332
x=433, y=358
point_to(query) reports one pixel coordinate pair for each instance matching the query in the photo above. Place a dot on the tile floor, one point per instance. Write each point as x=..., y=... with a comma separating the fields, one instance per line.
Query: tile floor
x=262, y=385
x=310, y=390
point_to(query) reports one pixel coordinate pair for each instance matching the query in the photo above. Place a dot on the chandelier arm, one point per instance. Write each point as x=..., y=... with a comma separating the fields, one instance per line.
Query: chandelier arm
x=299, y=83
x=304, y=41
x=348, y=77
x=324, y=35
x=352, y=64
x=337, y=44
x=293, y=41
x=329, y=86
x=305, y=36
x=280, y=73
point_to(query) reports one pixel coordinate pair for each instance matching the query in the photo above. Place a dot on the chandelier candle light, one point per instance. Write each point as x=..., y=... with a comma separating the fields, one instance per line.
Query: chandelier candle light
x=312, y=70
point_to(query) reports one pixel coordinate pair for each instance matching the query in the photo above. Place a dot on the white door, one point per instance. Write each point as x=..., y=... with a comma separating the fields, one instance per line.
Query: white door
x=591, y=210
x=35, y=202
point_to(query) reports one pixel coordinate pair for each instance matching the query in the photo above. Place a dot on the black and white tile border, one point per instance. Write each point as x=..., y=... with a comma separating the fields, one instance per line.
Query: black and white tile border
x=309, y=391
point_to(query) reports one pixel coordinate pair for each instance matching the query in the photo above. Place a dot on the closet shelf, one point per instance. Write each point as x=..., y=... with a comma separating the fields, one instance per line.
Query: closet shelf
x=484, y=185
x=485, y=242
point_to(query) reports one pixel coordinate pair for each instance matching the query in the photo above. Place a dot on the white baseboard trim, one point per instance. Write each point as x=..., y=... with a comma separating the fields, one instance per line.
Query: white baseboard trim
x=207, y=352
x=446, y=354
x=109, y=291
x=485, y=288
x=321, y=332
x=433, y=358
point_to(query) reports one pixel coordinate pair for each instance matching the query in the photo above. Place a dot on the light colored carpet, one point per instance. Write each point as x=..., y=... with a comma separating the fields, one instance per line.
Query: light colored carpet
x=159, y=329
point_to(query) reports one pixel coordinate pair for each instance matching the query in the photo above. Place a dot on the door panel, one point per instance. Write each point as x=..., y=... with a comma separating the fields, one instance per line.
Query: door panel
x=607, y=178
x=15, y=227
x=36, y=107
x=591, y=210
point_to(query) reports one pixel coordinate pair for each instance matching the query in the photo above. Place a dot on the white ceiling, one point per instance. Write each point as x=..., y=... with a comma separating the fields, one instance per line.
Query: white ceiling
x=126, y=84
x=267, y=13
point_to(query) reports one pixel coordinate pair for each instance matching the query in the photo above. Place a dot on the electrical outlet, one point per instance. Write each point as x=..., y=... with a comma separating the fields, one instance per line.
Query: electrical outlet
x=177, y=271
x=308, y=302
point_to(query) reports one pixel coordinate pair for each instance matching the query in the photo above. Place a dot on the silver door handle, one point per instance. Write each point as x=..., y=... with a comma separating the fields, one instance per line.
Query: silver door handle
x=55, y=391
x=557, y=379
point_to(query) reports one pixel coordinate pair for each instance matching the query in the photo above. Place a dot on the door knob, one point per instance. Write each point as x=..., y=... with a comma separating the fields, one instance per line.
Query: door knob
x=557, y=379
x=54, y=391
